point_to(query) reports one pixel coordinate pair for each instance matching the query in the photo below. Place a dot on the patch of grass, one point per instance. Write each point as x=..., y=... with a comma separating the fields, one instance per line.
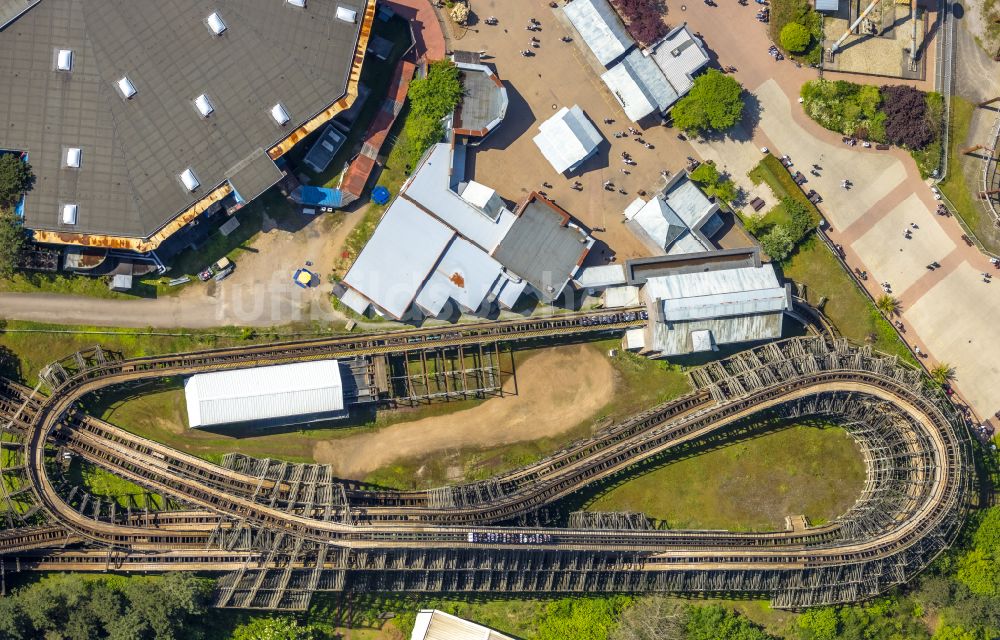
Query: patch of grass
x=750, y=485
x=641, y=383
x=959, y=185
x=106, y=485
x=844, y=304
x=770, y=171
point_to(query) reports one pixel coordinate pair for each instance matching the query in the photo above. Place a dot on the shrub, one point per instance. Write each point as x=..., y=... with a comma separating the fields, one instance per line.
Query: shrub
x=795, y=37
x=845, y=107
x=11, y=241
x=713, y=183
x=907, y=123
x=715, y=103
x=778, y=243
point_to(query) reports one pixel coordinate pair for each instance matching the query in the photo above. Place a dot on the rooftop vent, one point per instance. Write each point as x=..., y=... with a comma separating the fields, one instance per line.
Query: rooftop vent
x=216, y=24
x=73, y=155
x=204, y=105
x=279, y=114
x=69, y=214
x=126, y=87
x=301, y=4
x=347, y=15
x=64, y=60
x=189, y=179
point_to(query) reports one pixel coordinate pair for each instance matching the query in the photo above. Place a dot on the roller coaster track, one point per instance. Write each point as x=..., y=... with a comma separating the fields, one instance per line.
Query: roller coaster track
x=287, y=530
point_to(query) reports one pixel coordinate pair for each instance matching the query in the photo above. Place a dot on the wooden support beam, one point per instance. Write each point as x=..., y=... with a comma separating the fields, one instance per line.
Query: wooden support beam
x=976, y=147
x=988, y=102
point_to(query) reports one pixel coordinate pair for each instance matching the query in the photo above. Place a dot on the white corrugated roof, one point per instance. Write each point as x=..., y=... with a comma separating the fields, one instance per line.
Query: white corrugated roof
x=464, y=274
x=567, y=138
x=431, y=186
x=623, y=296
x=639, y=85
x=635, y=339
x=600, y=27
x=679, y=56
x=432, y=624
x=720, y=305
x=601, y=276
x=827, y=5
x=510, y=292
x=658, y=221
x=264, y=393
x=399, y=256
x=676, y=338
x=688, y=285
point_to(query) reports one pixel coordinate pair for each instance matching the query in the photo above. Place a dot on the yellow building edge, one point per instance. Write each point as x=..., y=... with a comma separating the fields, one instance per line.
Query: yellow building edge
x=143, y=245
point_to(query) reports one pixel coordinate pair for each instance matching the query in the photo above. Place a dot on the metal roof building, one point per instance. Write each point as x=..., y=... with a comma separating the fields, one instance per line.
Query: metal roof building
x=680, y=55
x=432, y=624
x=600, y=28
x=269, y=396
x=484, y=100
x=680, y=219
x=697, y=303
x=544, y=247
x=172, y=104
x=639, y=86
x=567, y=139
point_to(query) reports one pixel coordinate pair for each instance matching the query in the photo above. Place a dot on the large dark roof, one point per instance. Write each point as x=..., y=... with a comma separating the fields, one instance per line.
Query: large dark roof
x=134, y=150
x=543, y=247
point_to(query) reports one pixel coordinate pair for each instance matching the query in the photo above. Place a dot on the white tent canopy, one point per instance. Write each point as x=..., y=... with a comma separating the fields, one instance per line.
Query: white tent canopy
x=567, y=139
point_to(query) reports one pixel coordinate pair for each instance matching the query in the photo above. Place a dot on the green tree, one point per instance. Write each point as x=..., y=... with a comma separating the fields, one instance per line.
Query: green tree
x=580, y=618
x=16, y=179
x=888, y=305
x=946, y=632
x=437, y=93
x=274, y=628
x=163, y=608
x=979, y=569
x=795, y=37
x=802, y=219
x=819, y=624
x=715, y=103
x=778, y=242
x=713, y=183
x=942, y=373
x=715, y=622
x=11, y=241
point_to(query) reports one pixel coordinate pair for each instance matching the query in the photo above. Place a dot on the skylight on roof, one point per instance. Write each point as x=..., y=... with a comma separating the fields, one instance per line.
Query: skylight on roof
x=190, y=180
x=279, y=114
x=297, y=3
x=73, y=156
x=204, y=105
x=69, y=214
x=216, y=24
x=347, y=15
x=126, y=87
x=64, y=60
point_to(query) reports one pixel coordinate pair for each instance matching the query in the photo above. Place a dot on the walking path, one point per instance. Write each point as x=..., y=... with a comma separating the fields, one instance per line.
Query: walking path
x=949, y=312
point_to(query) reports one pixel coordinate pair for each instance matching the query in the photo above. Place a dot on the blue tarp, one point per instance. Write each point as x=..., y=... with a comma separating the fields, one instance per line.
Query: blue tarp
x=319, y=196
x=380, y=195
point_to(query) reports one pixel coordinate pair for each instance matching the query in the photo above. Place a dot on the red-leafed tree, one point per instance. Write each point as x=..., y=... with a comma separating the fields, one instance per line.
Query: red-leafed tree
x=906, y=122
x=644, y=19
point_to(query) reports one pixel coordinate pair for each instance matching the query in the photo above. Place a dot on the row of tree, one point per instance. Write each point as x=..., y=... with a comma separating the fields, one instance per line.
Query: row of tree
x=16, y=179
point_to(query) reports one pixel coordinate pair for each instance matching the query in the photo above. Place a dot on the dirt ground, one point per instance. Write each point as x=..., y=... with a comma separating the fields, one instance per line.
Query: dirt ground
x=543, y=407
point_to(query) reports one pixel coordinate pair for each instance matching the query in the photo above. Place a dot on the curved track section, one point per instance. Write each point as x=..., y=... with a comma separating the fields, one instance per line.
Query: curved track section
x=296, y=530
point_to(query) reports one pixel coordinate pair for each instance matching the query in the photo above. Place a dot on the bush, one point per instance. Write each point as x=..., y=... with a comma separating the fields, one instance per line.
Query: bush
x=11, y=241
x=16, y=179
x=431, y=99
x=643, y=18
x=795, y=37
x=715, y=622
x=845, y=107
x=715, y=103
x=907, y=123
x=713, y=183
x=778, y=243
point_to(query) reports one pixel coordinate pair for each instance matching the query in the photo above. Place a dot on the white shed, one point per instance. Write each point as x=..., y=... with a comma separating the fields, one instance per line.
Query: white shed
x=567, y=139
x=267, y=396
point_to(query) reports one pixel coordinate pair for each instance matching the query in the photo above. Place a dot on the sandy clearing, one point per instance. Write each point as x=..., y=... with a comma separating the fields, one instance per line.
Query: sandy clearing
x=543, y=407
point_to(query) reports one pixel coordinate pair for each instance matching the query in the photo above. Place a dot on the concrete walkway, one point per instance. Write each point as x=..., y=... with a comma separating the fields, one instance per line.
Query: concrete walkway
x=948, y=312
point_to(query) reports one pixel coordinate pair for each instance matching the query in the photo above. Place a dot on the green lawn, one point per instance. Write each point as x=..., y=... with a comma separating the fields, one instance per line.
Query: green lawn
x=749, y=485
x=105, y=485
x=957, y=186
x=22, y=355
x=815, y=266
x=771, y=172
